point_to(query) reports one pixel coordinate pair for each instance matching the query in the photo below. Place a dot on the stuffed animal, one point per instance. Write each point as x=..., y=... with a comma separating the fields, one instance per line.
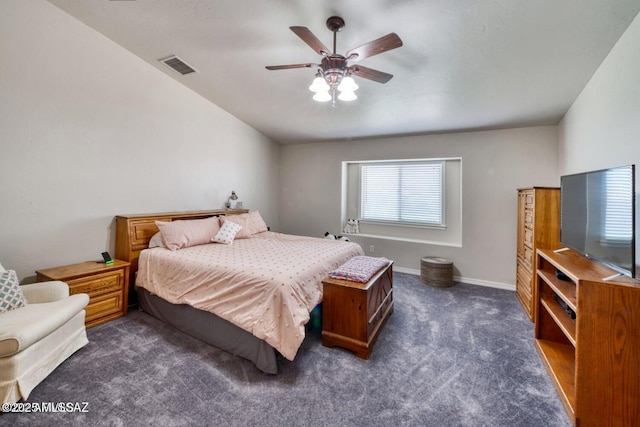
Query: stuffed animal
x=352, y=226
x=330, y=236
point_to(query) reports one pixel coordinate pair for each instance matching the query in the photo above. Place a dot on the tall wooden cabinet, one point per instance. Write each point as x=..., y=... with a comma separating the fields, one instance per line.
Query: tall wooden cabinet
x=538, y=228
x=587, y=331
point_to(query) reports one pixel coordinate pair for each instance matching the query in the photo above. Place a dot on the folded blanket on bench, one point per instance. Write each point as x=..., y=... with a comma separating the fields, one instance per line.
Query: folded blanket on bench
x=359, y=268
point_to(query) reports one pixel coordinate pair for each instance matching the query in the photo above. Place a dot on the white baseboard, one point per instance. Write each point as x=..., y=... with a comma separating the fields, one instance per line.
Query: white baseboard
x=488, y=284
x=406, y=270
x=469, y=280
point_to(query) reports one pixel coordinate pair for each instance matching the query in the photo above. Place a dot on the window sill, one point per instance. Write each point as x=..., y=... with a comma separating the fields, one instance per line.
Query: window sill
x=405, y=224
x=404, y=239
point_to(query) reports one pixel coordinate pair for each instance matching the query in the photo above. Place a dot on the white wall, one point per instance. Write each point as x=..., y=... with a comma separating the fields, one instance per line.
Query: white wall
x=89, y=131
x=602, y=127
x=494, y=165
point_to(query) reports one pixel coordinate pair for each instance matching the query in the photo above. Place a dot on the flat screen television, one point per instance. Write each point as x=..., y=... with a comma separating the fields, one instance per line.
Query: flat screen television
x=597, y=216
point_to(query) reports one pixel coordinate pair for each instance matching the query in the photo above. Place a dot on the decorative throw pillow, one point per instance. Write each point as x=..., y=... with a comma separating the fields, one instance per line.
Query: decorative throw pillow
x=227, y=233
x=11, y=296
x=251, y=223
x=184, y=233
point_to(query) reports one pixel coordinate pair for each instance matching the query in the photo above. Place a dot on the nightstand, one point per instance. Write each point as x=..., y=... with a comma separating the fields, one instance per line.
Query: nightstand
x=106, y=285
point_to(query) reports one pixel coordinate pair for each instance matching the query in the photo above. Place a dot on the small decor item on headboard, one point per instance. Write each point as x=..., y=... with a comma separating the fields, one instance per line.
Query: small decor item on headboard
x=232, y=200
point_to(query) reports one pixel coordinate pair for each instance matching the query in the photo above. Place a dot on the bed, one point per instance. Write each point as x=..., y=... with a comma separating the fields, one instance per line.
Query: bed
x=251, y=298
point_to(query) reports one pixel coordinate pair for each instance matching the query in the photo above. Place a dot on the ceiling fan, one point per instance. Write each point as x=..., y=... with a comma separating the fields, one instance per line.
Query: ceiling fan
x=334, y=72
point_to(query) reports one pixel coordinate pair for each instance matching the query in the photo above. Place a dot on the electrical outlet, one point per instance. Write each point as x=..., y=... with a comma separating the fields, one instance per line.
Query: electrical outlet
x=372, y=249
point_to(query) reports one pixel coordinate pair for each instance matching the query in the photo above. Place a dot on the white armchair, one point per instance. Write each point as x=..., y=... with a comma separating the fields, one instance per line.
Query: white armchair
x=35, y=339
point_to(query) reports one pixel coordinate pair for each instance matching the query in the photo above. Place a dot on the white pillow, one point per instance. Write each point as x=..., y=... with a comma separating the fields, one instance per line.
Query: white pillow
x=157, y=241
x=2, y=269
x=227, y=233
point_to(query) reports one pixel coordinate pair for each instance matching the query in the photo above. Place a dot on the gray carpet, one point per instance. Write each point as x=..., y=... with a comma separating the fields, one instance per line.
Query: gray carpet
x=459, y=356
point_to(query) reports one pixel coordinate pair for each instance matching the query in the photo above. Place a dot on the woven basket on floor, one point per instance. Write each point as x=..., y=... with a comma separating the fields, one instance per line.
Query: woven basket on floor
x=436, y=271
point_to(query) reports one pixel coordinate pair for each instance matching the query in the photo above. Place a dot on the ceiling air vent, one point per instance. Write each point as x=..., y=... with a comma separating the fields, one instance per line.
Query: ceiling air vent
x=178, y=65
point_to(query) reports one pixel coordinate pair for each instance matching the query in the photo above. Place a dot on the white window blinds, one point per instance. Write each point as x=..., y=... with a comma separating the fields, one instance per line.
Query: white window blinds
x=618, y=222
x=402, y=192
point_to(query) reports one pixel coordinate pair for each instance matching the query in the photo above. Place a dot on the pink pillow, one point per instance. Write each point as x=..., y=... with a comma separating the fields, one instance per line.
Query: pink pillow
x=251, y=223
x=192, y=232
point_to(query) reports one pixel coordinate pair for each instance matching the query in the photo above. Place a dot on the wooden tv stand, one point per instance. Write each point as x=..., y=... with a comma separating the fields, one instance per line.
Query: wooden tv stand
x=594, y=360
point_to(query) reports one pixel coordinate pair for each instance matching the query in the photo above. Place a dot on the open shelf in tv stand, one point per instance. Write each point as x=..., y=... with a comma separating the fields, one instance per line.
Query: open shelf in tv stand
x=592, y=359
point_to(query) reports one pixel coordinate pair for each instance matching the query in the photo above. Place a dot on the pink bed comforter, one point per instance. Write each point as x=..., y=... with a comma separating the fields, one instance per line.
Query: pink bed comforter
x=266, y=285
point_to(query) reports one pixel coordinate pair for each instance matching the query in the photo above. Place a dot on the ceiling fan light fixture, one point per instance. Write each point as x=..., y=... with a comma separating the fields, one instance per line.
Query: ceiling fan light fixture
x=319, y=85
x=322, y=96
x=347, y=84
x=347, y=95
x=334, y=71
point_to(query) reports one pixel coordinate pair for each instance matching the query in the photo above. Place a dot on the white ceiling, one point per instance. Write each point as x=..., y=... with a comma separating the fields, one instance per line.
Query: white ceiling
x=465, y=64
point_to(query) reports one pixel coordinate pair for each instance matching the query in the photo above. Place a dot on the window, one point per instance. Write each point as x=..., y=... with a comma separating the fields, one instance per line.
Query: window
x=618, y=223
x=408, y=192
x=409, y=200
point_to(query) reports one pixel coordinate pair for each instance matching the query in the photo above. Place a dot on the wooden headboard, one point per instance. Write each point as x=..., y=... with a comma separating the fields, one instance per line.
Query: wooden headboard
x=133, y=232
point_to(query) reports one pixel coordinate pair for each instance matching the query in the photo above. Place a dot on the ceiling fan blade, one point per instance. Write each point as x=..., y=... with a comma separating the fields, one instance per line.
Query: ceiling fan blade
x=375, y=47
x=309, y=38
x=370, y=73
x=287, y=67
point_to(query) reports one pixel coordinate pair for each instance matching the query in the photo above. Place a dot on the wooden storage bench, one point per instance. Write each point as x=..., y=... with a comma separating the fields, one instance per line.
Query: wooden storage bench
x=353, y=313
